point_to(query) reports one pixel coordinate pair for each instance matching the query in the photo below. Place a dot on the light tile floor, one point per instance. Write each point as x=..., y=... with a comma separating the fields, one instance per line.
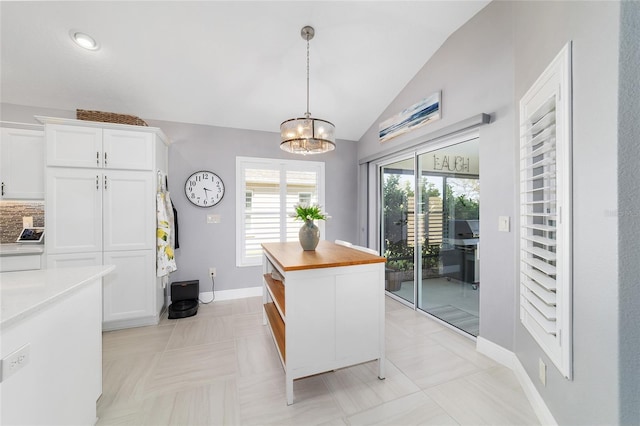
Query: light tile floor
x=220, y=367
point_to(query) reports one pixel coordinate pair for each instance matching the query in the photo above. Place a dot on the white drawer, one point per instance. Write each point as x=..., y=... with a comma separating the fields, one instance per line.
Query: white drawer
x=23, y=262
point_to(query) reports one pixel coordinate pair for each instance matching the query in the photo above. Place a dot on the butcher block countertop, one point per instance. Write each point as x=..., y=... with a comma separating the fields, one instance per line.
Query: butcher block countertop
x=291, y=257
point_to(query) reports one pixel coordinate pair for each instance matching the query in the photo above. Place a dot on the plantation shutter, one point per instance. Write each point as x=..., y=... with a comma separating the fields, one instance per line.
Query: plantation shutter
x=266, y=191
x=545, y=211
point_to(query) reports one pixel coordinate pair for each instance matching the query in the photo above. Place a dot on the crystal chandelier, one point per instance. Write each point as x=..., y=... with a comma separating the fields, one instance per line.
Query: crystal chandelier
x=307, y=135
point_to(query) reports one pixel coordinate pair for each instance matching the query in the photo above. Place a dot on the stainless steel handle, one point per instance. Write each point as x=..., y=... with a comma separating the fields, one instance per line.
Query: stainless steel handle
x=2, y=188
x=98, y=158
x=97, y=182
x=105, y=159
x=105, y=181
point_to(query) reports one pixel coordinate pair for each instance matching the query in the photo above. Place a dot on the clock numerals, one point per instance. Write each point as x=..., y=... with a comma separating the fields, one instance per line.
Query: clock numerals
x=204, y=189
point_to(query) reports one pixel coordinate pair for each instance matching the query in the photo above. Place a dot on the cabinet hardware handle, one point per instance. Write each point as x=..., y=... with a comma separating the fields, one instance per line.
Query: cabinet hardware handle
x=97, y=182
x=105, y=181
x=3, y=188
x=105, y=159
x=98, y=158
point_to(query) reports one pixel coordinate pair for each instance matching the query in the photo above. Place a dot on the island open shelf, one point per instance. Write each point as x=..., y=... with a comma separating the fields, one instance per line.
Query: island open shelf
x=327, y=311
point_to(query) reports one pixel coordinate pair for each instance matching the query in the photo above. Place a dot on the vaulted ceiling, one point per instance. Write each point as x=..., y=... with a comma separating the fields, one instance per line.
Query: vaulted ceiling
x=238, y=64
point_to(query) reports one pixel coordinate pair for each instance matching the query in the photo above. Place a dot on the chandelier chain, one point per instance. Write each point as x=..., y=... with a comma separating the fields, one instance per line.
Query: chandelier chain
x=307, y=114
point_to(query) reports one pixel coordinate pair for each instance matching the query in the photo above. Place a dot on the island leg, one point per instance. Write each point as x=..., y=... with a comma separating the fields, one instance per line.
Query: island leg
x=289, y=387
x=381, y=368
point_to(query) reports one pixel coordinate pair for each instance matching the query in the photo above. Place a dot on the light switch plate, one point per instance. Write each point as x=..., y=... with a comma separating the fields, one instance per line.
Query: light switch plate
x=503, y=223
x=542, y=372
x=213, y=218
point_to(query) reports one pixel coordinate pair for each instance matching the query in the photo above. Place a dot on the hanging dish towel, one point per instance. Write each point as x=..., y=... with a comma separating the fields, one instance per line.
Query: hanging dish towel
x=166, y=262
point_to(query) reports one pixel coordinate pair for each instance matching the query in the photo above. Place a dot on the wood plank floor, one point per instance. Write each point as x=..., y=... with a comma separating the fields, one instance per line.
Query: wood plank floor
x=220, y=367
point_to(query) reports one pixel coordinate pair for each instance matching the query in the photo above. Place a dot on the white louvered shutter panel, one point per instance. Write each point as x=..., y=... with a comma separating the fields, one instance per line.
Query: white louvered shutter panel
x=545, y=211
x=267, y=190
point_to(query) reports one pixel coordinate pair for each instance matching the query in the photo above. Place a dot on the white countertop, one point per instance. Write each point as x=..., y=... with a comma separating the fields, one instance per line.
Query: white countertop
x=25, y=293
x=13, y=249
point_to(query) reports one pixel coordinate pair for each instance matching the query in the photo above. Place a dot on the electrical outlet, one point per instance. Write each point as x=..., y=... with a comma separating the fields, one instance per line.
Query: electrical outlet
x=212, y=272
x=15, y=361
x=542, y=372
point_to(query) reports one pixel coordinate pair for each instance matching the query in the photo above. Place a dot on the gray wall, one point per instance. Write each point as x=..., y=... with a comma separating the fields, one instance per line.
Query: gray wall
x=474, y=70
x=197, y=147
x=592, y=396
x=629, y=212
x=486, y=66
x=204, y=245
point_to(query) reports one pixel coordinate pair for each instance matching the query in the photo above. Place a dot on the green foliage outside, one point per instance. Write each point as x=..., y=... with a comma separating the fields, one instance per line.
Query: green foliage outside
x=396, y=197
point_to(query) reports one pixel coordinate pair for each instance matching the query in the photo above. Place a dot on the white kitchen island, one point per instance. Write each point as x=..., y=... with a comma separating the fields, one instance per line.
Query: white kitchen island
x=325, y=308
x=51, y=345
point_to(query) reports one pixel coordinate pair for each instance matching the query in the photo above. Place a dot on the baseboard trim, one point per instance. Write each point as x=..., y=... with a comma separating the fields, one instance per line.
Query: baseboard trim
x=240, y=293
x=511, y=361
x=130, y=323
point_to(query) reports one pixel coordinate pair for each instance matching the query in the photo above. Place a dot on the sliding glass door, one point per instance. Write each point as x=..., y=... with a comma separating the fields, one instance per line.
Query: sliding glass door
x=398, y=227
x=431, y=235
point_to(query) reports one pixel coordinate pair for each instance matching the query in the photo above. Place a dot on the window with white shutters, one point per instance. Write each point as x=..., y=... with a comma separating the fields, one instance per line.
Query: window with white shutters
x=545, y=211
x=267, y=190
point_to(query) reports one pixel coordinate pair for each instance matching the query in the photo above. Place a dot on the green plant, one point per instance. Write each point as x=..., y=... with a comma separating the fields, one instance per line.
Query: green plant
x=400, y=265
x=309, y=212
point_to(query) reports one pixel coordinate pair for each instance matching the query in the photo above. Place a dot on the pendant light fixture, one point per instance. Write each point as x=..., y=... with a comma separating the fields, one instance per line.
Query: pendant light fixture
x=307, y=135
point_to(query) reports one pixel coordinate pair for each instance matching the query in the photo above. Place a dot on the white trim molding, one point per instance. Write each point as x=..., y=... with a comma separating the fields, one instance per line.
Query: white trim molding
x=511, y=361
x=239, y=293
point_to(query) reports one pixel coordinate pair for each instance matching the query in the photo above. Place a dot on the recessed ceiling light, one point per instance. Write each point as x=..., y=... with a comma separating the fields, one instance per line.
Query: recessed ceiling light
x=84, y=40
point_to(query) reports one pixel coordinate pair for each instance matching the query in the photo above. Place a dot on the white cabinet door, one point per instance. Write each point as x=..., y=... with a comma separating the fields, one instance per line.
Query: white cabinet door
x=72, y=260
x=128, y=210
x=22, y=166
x=73, y=146
x=129, y=150
x=74, y=211
x=129, y=289
x=358, y=315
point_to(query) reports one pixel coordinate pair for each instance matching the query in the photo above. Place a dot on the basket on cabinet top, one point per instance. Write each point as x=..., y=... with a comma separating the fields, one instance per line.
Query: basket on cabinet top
x=109, y=117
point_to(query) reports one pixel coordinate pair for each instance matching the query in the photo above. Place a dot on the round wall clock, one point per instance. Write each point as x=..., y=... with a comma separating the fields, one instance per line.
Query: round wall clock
x=204, y=189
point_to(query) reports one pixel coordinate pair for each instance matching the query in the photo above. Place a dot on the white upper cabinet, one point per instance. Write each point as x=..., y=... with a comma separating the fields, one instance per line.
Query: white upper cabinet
x=123, y=149
x=74, y=146
x=91, y=147
x=22, y=164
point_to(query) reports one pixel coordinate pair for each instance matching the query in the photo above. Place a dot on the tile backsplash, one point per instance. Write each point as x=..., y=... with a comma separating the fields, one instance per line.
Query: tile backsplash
x=11, y=213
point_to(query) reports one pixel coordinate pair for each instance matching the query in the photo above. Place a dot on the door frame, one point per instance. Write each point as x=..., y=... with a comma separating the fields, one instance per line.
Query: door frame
x=374, y=207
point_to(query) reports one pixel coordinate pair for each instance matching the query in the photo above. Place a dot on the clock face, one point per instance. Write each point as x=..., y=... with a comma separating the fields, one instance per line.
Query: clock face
x=204, y=189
